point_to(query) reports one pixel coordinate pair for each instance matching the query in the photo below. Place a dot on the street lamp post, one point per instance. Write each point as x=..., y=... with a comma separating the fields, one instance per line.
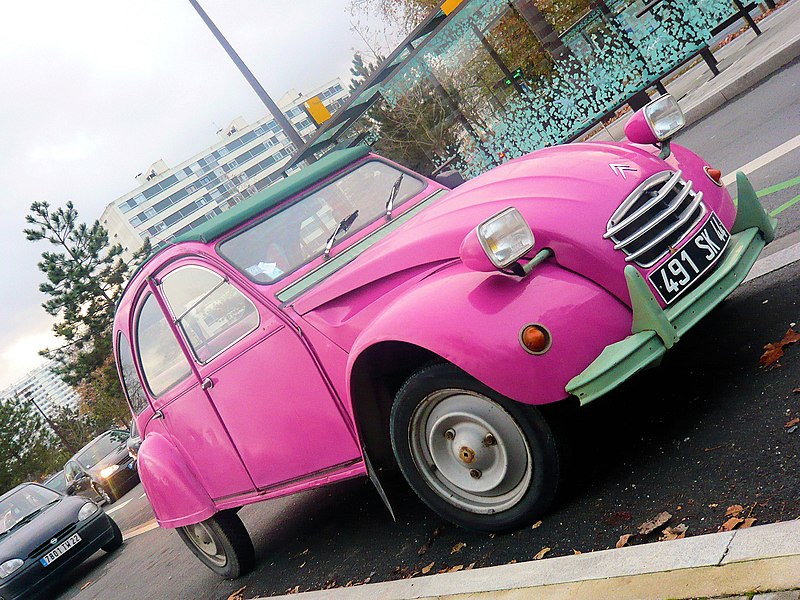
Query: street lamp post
x=276, y=112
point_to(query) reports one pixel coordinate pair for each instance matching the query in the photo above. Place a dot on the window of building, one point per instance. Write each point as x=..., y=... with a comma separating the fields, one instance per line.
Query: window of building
x=212, y=314
x=163, y=362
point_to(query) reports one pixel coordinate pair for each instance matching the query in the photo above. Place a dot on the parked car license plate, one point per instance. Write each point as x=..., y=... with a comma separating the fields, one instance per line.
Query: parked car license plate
x=691, y=260
x=60, y=549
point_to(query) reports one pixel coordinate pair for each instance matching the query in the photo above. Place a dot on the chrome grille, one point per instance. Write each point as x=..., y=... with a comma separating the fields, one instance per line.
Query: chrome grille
x=655, y=217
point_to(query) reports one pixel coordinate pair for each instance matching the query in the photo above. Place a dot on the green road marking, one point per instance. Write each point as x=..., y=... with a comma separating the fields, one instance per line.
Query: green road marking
x=778, y=187
x=784, y=206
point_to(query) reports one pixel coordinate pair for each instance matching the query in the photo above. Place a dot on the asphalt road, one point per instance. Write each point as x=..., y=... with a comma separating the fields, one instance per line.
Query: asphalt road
x=702, y=432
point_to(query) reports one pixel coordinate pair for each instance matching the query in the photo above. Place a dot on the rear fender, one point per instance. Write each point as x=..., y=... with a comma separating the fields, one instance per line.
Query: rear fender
x=176, y=495
x=474, y=320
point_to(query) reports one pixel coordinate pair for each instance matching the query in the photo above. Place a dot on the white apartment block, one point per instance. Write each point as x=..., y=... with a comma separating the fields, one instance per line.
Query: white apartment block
x=246, y=159
x=44, y=388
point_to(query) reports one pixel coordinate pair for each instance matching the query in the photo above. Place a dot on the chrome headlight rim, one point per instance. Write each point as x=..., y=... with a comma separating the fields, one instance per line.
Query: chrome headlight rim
x=660, y=110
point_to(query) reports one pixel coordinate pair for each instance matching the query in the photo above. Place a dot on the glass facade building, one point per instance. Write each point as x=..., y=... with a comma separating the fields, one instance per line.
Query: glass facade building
x=44, y=388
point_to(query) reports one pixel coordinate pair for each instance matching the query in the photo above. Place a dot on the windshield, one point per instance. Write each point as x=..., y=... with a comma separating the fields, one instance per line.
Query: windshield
x=101, y=447
x=285, y=241
x=23, y=503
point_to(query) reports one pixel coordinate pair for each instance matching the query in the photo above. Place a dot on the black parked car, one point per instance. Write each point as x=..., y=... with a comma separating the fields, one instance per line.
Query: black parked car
x=102, y=470
x=134, y=441
x=56, y=482
x=43, y=534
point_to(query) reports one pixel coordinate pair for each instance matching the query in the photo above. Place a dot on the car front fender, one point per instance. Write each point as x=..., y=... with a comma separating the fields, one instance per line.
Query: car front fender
x=474, y=320
x=176, y=495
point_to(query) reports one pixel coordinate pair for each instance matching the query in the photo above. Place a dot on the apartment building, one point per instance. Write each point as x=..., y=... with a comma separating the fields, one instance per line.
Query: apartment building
x=246, y=158
x=44, y=388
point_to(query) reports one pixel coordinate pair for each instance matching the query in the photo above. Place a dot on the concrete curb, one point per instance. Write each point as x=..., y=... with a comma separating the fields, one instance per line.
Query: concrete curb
x=762, y=558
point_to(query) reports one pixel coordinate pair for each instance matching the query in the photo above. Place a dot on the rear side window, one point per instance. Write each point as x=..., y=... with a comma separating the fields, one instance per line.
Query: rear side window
x=133, y=386
x=163, y=362
x=212, y=313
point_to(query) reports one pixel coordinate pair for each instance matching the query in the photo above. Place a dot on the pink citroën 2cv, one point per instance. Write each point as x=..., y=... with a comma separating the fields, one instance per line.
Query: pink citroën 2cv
x=356, y=310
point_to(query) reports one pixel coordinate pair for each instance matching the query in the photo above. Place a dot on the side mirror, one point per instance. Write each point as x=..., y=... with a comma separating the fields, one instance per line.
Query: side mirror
x=657, y=122
x=70, y=489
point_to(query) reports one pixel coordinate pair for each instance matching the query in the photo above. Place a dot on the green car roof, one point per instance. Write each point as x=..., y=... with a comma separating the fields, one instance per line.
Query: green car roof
x=273, y=195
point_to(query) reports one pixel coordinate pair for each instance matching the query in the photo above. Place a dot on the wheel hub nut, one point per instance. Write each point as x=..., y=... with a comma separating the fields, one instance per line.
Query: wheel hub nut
x=475, y=473
x=467, y=454
x=489, y=440
x=450, y=435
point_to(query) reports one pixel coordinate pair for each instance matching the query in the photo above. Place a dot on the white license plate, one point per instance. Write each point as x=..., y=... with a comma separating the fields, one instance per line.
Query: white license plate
x=691, y=260
x=60, y=549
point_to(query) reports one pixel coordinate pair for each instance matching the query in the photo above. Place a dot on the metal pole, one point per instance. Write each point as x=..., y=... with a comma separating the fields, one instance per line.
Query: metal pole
x=276, y=112
x=70, y=448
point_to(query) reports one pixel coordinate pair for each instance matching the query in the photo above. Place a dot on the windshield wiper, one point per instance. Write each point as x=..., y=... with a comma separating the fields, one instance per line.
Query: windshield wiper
x=27, y=518
x=342, y=227
x=393, y=196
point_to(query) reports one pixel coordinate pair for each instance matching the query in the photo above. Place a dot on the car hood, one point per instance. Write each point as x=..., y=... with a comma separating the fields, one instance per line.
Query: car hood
x=41, y=529
x=115, y=457
x=566, y=193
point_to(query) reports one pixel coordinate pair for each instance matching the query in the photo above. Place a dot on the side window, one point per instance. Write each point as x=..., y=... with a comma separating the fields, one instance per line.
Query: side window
x=133, y=387
x=69, y=472
x=212, y=314
x=163, y=361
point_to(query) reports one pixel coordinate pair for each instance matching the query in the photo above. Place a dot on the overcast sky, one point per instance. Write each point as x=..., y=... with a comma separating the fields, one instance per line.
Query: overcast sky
x=95, y=91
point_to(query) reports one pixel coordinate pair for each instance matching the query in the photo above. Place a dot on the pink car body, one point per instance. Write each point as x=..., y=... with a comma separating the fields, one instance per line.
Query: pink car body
x=299, y=396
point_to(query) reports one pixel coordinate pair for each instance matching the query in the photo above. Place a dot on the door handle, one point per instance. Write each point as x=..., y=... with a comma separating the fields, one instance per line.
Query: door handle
x=207, y=384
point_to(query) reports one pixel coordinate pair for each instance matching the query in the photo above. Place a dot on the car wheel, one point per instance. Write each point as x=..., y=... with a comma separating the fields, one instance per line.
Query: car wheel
x=474, y=456
x=105, y=495
x=116, y=541
x=221, y=543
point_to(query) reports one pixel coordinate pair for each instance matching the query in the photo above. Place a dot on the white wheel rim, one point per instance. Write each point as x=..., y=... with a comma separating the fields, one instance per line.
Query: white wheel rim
x=470, y=451
x=204, y=540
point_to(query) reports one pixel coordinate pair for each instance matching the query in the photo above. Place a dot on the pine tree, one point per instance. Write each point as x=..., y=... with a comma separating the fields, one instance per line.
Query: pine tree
x=85, y=278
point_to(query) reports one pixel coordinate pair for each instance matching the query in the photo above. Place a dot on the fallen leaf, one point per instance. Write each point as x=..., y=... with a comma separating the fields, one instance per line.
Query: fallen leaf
x=792, y=423
x=674, y=533
x=748, y=523
x=87, y=584
x=427, y=569
x=540, y=554
x=457, y=547
x=774, y=351
x=618, y=518
x=470, y=567
x=734, y=511
x=623, y=540
x=294, y=590
x=513, y=561
x=492, y=535
x=714, y=505
x=536, y=525
x=238, y=594
x=303, y=565
x=427, y=545
x=454, y=569
x=731, y=523
x=796, y=390
x=576, y=551
x=654, y=524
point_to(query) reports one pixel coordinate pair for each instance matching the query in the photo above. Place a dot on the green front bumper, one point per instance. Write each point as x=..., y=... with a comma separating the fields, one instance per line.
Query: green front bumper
x=654, y=330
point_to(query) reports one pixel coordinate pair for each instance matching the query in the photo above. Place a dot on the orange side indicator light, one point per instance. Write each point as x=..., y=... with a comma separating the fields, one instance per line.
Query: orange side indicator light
x=535, y=338
x=714, y=175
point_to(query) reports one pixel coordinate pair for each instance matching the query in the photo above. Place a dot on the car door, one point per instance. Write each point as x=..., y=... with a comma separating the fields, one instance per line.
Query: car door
x=78, y=482
x=266, y=386
x=189, y=416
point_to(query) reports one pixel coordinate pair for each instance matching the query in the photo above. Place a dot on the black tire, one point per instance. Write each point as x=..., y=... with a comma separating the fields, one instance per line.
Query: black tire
x=116, y=542
x=225, y=535
x=438, y=396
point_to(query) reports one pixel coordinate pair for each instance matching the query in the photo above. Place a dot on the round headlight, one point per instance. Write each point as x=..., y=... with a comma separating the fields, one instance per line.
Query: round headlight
x=87, y=510
x=8, y=567
x=105, y=473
